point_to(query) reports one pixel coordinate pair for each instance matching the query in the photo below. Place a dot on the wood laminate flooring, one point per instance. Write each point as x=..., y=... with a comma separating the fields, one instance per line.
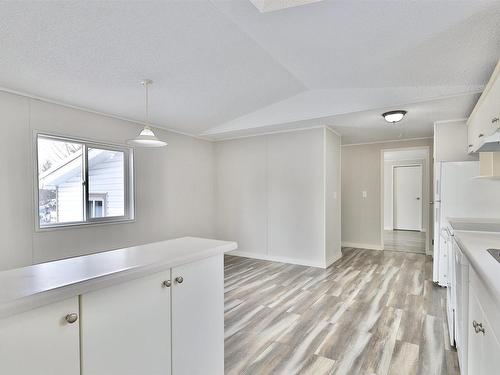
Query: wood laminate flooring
x=371, y=312
x=404, y=240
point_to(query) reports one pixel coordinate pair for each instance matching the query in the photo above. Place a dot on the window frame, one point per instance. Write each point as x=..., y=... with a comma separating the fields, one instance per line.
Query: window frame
x=128, y=183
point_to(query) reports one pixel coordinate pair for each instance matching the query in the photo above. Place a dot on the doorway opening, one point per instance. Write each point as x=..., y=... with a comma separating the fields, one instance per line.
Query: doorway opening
x=405, y=197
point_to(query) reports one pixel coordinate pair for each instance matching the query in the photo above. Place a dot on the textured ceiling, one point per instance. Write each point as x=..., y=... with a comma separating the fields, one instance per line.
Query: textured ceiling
x=222, y=68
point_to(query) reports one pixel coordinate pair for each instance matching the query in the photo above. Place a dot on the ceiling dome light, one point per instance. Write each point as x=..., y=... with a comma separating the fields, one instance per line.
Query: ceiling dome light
x=394, y=116
x=146, y=137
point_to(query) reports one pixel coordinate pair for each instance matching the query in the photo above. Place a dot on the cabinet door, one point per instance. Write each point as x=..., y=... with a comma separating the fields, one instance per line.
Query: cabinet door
x=491, y=350
x=125, y=329
x=475, y=344
x=198, y=318
x=41, y=341
x=471, y=136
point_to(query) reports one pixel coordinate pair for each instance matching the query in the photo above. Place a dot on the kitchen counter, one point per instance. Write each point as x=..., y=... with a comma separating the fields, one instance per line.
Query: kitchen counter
x=29, y=287
x=475, y=245
x=475, y=224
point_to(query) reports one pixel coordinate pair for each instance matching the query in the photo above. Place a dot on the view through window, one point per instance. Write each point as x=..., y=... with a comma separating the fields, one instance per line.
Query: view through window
x=79, y=182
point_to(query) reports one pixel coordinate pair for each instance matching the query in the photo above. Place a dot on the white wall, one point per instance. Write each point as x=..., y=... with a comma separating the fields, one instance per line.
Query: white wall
x=270, y=195
x=361, y=171
x=174, y=185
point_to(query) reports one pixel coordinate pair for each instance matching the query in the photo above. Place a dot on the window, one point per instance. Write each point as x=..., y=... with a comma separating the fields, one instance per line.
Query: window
x=97, y=205
x=81, y=182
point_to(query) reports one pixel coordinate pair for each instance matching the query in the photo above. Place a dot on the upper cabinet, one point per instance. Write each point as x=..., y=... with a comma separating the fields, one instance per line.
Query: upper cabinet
x=484, y=120
x=450, y=141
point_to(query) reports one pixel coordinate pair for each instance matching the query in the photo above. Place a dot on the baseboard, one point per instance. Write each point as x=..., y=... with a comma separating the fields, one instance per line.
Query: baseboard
x=362, y=246
x=272, y=258
x=332, y=260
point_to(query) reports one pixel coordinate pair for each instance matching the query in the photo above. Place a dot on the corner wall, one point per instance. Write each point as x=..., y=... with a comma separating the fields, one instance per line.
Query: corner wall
x=333, y=196
x=270, y=196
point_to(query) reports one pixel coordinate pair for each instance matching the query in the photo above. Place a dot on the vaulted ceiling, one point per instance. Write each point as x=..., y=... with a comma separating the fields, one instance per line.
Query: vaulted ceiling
x=224, y=68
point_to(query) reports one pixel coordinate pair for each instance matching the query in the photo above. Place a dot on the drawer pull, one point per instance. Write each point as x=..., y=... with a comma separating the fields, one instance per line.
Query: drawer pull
x=71, y=318
x=470, y=146
x=494, y=119
x=179, y=279
x=481, y=135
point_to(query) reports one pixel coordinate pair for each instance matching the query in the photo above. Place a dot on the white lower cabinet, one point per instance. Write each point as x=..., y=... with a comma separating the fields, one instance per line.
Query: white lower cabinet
x=167, y=323
x=125, y=329
x=198, y=318
x=483, y=346
x=41, y=341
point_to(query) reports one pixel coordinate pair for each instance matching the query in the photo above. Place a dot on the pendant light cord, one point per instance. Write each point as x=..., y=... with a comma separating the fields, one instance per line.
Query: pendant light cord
x=146, y=84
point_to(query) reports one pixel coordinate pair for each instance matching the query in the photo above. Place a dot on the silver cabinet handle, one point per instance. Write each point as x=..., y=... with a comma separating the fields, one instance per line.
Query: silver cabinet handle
x=179, y=279
x=481, y=135
x=166, y=284
x=418, y=198
x=71, y=318
x=494, y=119
x=478, y=327
x=470, y=146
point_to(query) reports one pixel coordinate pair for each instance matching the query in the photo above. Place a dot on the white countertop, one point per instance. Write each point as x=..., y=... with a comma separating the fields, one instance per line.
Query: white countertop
x=475, y=245
x=475, y=224
x=29, y=287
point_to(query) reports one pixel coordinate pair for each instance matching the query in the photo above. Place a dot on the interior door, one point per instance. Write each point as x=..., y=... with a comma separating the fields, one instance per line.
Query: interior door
x=408, y=197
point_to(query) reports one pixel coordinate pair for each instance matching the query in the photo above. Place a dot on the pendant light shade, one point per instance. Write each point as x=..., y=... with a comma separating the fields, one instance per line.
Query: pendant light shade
x=146, y=137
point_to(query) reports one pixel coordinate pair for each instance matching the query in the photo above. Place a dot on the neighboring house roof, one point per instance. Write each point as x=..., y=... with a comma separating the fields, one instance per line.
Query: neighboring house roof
x=71, y=167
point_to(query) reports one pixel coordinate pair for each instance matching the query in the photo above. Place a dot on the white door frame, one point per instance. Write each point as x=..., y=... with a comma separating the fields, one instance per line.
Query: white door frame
x=422, y=192
x=426, y=194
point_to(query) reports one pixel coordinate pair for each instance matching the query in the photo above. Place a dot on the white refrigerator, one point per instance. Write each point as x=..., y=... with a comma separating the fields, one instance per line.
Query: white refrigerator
x=459, y=193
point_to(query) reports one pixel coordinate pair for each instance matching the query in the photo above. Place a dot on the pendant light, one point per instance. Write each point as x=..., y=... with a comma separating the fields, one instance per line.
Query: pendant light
x=146, y=137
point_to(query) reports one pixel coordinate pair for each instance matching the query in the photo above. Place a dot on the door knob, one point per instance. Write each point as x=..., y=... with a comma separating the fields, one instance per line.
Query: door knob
x=166, y=284
x=179, y=279
x=71, y=318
